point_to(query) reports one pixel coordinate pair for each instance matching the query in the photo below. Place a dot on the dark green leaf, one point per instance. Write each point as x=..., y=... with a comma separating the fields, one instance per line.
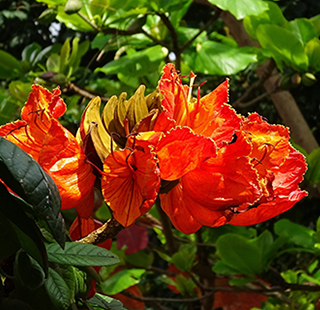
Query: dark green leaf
x=106, y=302
x=121, y=281
x=9, y=242
x=64, y=57
x=26, y=230
x=221, y=268
x=80, y=254
x=240, y=254
x=26, y=178
x=14, y=304
x=241, y=8
x=20, y=90
x=141, y=259
x=218, y=59
x=296, y=233
x=58, y=290
x=9, y=66
x=29, y=271
x=184, y=259
x=313, y=173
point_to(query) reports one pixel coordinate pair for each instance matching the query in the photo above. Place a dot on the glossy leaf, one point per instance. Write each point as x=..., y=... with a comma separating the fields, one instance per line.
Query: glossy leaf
x=241, y=8
x=29, y=271
x=284, y=46
x=240, y=254
x=106, y=302
x=218, y=59
x=58, y=290
x=303, y=29
x=25, y=177
x=80, y=254
x=296, y=233
x=312, y=49
x=121, y=281
x=273, y=16
x=9, y=66
x=28, y=233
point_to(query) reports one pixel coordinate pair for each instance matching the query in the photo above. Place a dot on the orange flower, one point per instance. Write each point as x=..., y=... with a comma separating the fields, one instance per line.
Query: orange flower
x=244, y=182
x=130, y=183
x=40, y=134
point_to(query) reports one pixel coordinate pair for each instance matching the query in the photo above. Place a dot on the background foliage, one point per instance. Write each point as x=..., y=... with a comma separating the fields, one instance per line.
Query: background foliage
x=106, y=47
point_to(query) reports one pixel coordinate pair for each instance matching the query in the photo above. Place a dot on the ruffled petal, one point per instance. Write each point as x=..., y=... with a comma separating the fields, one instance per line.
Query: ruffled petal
x=64, y=160
x=180, y=151
x=266, y=211
x=225, y=181
x=130, y=184
x=174, y=205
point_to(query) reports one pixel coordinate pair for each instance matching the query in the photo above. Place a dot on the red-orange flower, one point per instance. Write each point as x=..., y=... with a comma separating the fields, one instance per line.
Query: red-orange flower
x=244, y=183
x=40, y=134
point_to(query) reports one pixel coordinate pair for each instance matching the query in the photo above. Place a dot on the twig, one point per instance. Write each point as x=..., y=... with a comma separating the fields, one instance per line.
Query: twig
x=239, y=104
x=175, y=41
x=82, y=92
x=203, y=28
x=160, y=299
x=108, y=230
x=167, y=229
x=155, y=40
x=88, y=21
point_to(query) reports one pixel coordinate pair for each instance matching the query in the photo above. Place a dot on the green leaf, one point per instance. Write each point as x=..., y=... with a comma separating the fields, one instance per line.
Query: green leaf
x=22, y=174
x=218, y=59
x=221, y=268
x=106, y=302
x=80, y=254
x=53, y=63
x=184, y=259
x=316, y=23
x=141, y=259
x=312, y=49
x=136, y=64
x=271, y=16
x=30, y=53
x=58, y=290
x=241, y=8
x=121, y=281
x=240, y=281
x=26, y=230
x=9, y=107
x=64, y=57
x=240, y=254
x=296, y=233
x=29, y=271
x=20, y=90
x=313, y=173
x=284, y=46
x=9, y=66
x=303, y=29
x=9, y=242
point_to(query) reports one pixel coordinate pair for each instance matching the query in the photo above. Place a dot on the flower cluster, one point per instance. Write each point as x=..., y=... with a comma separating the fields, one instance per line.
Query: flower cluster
x=207, y=164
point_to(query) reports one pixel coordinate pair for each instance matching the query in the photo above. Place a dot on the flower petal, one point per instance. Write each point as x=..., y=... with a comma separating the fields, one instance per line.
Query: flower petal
x=130, y=184
x=225, y=181
x=266, y=211
x=174, y=206
x=64, y=160
x=180, y=151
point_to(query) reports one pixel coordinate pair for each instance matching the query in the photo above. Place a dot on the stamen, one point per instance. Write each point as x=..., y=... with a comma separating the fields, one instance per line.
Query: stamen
x=11, y=131
x=111, y=147
x=87, y=161
x=192, y=78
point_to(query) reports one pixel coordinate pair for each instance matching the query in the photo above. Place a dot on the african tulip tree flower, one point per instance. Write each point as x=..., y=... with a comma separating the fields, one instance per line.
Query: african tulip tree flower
x=40, y=134
x=215, y=166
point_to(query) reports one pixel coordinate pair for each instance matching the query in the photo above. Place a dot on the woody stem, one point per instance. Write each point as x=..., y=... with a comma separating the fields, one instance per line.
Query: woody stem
x=108, y=230
x=167, y=229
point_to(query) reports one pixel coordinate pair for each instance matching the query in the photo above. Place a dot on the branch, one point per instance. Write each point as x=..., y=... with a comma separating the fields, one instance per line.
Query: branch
x=203, y=28
x=159, y=299
x=108, y=230
x=175, y=41
x=72, y=87
x=167, y=229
